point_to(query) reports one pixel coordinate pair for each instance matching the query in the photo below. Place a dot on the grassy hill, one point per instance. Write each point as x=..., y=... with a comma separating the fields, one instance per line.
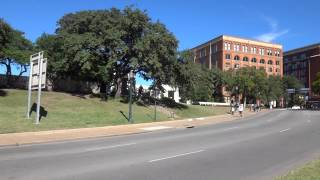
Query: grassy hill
x=62, y=111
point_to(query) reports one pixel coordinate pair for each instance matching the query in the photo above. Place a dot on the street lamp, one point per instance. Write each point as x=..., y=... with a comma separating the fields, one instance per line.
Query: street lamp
x=155, y=103
x=130, y=77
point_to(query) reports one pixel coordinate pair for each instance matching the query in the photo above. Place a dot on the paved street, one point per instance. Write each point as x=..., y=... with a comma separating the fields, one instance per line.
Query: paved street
x=258, y=147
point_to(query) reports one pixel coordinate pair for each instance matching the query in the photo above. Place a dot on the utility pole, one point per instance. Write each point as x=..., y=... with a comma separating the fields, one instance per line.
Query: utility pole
x=155, y=103
x=130, y=96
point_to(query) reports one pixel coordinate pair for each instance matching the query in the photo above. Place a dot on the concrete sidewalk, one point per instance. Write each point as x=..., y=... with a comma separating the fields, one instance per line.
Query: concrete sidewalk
x=70, y=134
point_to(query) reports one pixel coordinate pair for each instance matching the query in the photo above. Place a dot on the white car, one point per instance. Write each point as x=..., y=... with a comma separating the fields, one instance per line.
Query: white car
x=295, y=107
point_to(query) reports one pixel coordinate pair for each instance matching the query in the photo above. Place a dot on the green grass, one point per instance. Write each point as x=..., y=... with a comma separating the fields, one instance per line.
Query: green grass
x=67, y=111
x=310, y=171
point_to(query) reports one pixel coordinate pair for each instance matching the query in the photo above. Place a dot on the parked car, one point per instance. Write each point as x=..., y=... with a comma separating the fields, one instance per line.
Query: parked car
x=295, y=107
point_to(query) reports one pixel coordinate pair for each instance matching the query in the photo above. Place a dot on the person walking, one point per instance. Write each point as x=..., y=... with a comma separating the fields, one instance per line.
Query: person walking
x=232, y=109
x=240, y=109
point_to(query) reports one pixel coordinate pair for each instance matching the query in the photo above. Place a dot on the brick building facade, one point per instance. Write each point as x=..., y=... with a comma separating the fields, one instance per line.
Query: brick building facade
x=229, y=52
x=303, y=63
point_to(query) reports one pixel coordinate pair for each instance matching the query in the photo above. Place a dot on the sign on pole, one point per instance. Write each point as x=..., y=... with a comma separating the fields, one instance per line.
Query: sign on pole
x=37, y=80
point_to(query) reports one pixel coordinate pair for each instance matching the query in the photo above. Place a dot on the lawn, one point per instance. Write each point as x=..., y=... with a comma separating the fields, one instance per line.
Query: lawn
x=310, y=171
x=63, y=111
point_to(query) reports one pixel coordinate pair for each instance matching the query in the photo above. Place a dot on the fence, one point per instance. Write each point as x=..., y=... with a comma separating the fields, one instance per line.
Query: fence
x=15, y=82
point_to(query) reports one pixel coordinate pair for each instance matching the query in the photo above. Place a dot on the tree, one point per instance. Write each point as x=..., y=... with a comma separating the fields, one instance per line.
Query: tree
x=290, y=82
x=218, y=80
x=316, y=84
x=105, y=45
x=15, y=50
x=274, y=90
x=193, y=80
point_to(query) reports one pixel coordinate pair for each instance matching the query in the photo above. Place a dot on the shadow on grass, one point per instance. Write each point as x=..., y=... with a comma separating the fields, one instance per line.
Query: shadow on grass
x=3, y=92
x=170, y=103
x=124, y=115
x=43, y=112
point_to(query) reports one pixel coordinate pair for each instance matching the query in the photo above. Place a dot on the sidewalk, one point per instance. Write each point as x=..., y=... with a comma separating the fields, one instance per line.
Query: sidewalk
x=69, y=134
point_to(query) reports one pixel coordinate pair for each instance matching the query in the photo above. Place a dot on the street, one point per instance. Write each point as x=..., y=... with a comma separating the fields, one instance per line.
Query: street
x=259, y=147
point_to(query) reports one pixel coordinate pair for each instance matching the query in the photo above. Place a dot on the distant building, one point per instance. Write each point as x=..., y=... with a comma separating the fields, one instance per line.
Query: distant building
x=303, y=63
x=169, y=92
x=229, y=52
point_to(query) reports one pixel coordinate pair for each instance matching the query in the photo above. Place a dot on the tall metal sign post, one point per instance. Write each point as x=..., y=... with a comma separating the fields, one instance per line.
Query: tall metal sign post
x=37, y=80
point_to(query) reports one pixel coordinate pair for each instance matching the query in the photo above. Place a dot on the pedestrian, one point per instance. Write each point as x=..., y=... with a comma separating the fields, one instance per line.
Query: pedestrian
x=240, y=109
x=232, y=109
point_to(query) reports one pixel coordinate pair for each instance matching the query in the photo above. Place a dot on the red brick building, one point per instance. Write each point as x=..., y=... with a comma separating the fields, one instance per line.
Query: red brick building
x=229, y=52
x=303, y=63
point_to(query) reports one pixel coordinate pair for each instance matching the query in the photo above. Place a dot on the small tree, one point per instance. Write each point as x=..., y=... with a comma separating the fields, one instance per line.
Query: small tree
x=316, y=84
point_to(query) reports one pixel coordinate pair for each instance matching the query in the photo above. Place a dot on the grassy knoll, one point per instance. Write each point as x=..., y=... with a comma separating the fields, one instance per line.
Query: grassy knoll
x=310, y=171
x=62, y=111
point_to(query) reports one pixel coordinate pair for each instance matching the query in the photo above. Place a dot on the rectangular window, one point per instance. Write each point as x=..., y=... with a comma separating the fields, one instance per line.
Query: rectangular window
x=228, y=56
x=254, y=50
x=270, y=69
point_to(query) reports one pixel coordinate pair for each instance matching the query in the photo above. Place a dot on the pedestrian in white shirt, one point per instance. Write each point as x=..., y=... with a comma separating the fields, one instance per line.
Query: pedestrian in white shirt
x=240, y=109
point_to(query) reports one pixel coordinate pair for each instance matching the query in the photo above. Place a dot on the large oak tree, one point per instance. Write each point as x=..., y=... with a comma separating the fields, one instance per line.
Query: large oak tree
x=103, y=46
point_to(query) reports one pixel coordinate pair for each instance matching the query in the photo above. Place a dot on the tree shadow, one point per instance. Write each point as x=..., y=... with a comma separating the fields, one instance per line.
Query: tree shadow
x=124, y=115
x=3, y=93
x=43, y=112
x=170, y=103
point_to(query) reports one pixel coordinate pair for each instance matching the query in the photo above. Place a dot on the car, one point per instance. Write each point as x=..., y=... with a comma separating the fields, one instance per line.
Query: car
x=295, y=107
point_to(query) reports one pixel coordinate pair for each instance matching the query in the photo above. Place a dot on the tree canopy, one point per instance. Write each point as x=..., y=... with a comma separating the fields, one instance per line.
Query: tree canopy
x=105, y=45
x=15, y=49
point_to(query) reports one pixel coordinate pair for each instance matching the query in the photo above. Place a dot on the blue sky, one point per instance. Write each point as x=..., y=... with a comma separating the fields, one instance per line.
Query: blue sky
x=291, y=23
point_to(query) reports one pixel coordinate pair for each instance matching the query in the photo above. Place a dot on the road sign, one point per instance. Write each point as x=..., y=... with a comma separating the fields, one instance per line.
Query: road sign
x=37, y=72
x=37, y=80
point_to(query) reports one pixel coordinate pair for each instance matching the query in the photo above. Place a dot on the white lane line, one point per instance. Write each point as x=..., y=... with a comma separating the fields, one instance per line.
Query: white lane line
x=236, y=127
x=285, y=130
x=154, y=128
x=110, y=147
x=178, y=155
x=200, y=118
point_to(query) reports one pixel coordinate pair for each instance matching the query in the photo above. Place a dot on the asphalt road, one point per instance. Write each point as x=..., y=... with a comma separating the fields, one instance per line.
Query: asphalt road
x=259, y=147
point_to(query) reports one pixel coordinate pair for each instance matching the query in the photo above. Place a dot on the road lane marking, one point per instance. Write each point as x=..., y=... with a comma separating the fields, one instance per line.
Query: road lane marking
x=178, y=155
x=154, y=128
x=285, y=130
x=200, y=118
x=231, y=128
x=110, y=147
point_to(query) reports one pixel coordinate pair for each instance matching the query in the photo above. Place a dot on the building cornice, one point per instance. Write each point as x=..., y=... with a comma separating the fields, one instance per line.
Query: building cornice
x=302, y=49
x=240, y=40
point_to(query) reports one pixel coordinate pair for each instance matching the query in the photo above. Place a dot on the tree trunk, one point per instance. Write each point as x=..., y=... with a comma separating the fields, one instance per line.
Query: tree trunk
x=7, y=63
x=118, y=87
x=103, y=91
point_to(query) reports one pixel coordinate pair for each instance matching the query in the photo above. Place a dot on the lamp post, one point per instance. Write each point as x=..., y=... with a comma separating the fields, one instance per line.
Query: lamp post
x=131, y=76
x=155, y=103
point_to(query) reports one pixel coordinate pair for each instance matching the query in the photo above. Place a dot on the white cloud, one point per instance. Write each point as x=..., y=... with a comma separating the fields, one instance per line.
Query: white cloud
x=274, y=32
